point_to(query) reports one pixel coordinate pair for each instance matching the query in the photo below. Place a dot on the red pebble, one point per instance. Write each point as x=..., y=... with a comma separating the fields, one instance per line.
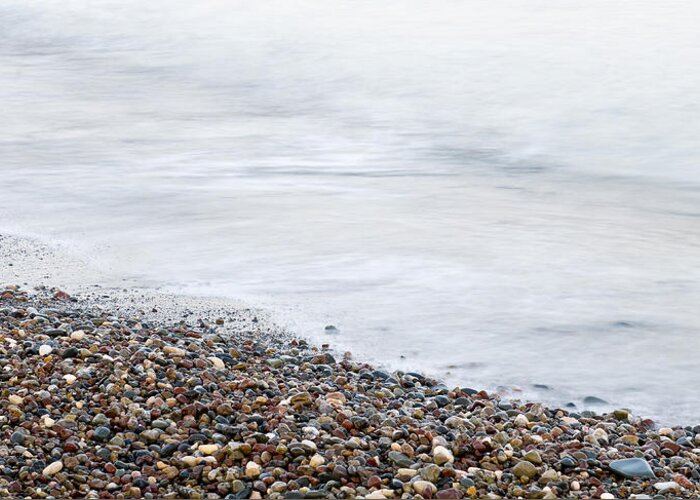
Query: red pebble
x=374, y=482
x=684, y=482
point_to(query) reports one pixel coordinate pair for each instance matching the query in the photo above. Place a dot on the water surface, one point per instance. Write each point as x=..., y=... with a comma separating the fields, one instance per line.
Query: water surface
x=500, y=193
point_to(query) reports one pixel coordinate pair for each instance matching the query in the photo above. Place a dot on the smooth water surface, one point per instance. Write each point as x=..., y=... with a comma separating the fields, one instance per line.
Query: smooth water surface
x=500, y=193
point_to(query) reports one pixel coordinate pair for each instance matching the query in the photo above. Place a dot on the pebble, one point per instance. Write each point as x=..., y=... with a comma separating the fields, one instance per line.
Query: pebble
x=136, y=406
x=663, y=487
x=521, y=421
x=524, y=469
x=533, y=456
x=208, y=449
x=15, y=400
x=217, y=362
x=102, y=433
x=632, y=467
x=442, y=455
x=425, y=489
x=316, y=461
x=252, y=470
x=77, y=335
x=53, y=468
x=45, y=350
x=18, y=437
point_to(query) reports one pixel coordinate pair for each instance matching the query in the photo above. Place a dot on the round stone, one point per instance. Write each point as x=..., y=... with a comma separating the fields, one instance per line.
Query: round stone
x=102, y=433
x=53, y=468
x=524, y=469
x=17, y=437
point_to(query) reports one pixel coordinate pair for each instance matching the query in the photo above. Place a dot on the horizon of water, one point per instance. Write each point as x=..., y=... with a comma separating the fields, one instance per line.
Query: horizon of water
x=500, y=193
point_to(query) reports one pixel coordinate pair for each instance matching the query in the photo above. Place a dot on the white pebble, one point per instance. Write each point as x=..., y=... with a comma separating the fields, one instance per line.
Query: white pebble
x=45, y=350
x=53, y=468
x=442, y=455
x=666, y=486
x=317, y=461
x=521, y=421
x=252, y=469
x=217, y=362
x=208, y=449
x=70, y=379
x=77, y=335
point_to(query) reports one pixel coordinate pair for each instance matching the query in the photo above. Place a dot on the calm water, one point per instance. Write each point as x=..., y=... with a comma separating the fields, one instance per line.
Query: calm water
x=500, y=193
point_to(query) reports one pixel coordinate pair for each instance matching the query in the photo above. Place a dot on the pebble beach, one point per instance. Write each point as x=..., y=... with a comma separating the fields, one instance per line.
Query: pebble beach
x=128, y=402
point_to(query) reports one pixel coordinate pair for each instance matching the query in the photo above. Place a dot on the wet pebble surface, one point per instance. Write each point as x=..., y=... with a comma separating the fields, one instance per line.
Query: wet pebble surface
x=104, y=405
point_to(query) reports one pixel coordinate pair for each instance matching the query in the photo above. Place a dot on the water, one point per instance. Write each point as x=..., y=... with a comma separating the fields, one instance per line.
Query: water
x=500, y=193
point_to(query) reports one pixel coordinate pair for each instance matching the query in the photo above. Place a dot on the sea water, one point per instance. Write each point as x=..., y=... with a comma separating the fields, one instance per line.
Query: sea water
x=502, y=194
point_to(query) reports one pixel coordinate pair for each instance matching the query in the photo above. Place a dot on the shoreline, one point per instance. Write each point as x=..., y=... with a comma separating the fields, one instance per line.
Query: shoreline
x=31, y=260
x=199, y=401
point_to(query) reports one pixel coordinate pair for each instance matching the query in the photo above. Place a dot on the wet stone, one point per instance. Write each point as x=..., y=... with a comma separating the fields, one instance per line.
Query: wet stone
x=632, y=468
x=208, y=409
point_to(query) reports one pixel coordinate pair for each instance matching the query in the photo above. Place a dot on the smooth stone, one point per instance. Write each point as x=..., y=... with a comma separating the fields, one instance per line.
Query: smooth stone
x=442, y=455
x=400, y=459
x=425, y=489
x=317, y=461
x=77, y=335
x=275, y=362
x=160, y=424
x=17, y=437
x=533, y=456
x=252, y=470
x=71, y=352
x=621, y=414
x=592, y=400
x=53, y=468
x=45, y=350
x=524, y=469
x=100, y=419
x=521, y=421
x=430, y=473
x=632, y=467
x=102, y=433
x=667, y=486
x=217, y=362
x=568, y=461
x=208, y=449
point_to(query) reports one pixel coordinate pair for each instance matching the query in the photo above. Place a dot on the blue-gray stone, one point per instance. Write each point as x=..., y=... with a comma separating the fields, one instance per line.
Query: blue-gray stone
x=102, y=433
x=632, y=467
x=568, y=461
x=17, y=437
x=592, y=400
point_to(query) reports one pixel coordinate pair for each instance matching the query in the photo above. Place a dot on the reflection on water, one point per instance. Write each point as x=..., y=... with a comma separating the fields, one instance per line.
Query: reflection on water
x=499, y=193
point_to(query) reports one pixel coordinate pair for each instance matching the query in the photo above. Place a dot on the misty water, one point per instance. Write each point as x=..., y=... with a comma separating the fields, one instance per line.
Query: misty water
x=501, y=194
